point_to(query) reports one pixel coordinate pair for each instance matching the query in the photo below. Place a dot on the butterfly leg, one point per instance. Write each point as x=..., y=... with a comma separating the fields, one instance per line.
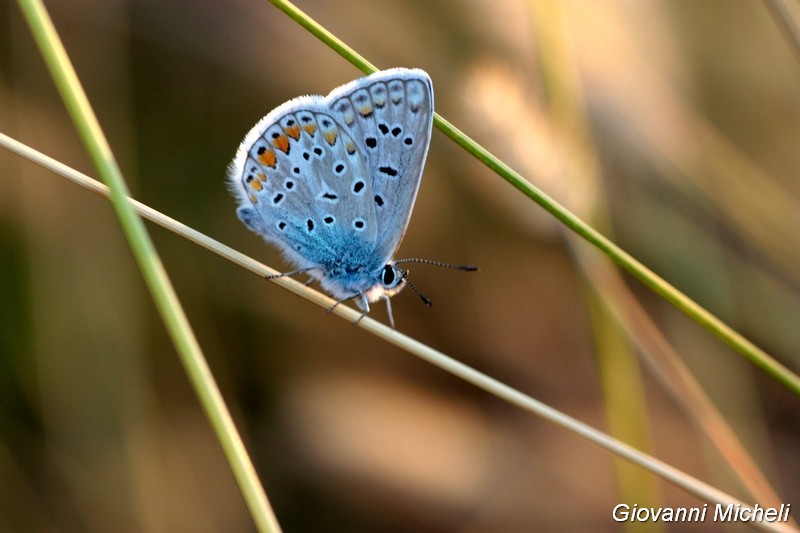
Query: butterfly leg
x=389, y=310
x=353, y=297
x=292, y=273
x=364, y=305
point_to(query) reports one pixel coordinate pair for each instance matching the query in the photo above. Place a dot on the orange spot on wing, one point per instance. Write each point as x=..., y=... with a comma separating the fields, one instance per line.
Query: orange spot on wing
x=330, y=137
x=366, y=110
x=261, y=176
x=267, y=158
x=255, y=185
x=281, y=143
x=351, y=148
x=311, y=129
x=293, y=132
x=253, y=198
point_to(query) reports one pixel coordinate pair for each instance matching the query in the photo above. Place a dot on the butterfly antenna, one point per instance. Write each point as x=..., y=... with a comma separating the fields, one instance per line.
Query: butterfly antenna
x=422, y=297
x=469, y=268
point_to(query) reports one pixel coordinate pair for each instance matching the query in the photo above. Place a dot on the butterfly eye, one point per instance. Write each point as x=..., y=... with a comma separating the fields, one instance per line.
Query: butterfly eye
x=388, y=275
x=393, y=279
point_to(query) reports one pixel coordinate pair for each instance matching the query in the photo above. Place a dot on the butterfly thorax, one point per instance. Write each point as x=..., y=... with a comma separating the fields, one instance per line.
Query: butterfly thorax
x=354, y=270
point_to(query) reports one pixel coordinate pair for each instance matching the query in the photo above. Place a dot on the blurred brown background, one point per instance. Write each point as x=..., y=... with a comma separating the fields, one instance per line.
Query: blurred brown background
x=672, y=125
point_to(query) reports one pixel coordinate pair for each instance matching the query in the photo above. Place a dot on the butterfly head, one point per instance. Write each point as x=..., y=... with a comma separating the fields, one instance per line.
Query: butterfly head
x=393, y=279
x=388, y=281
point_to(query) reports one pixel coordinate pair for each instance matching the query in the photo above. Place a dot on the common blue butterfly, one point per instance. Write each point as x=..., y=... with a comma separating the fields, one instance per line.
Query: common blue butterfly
x=332, y=181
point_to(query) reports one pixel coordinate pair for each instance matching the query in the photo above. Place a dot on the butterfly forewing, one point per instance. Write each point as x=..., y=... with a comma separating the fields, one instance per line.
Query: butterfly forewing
x=390, y=118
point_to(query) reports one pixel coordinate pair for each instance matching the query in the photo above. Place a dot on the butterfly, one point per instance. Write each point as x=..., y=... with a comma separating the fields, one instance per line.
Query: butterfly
x=331, y=181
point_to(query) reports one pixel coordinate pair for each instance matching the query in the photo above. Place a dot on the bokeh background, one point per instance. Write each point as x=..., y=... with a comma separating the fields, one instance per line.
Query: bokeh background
x=672, y=125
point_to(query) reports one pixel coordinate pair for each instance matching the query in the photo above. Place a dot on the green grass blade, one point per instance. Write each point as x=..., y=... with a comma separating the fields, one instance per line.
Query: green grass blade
x=692, y=309
x=147, y=258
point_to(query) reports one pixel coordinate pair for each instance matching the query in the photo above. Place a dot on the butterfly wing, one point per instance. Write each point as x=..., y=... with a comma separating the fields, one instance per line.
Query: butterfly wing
x=389, y=115
x=332, y=181
x=302, y=184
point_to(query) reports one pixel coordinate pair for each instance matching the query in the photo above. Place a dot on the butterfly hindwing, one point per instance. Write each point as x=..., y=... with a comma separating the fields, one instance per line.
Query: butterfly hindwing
x=306, y=184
